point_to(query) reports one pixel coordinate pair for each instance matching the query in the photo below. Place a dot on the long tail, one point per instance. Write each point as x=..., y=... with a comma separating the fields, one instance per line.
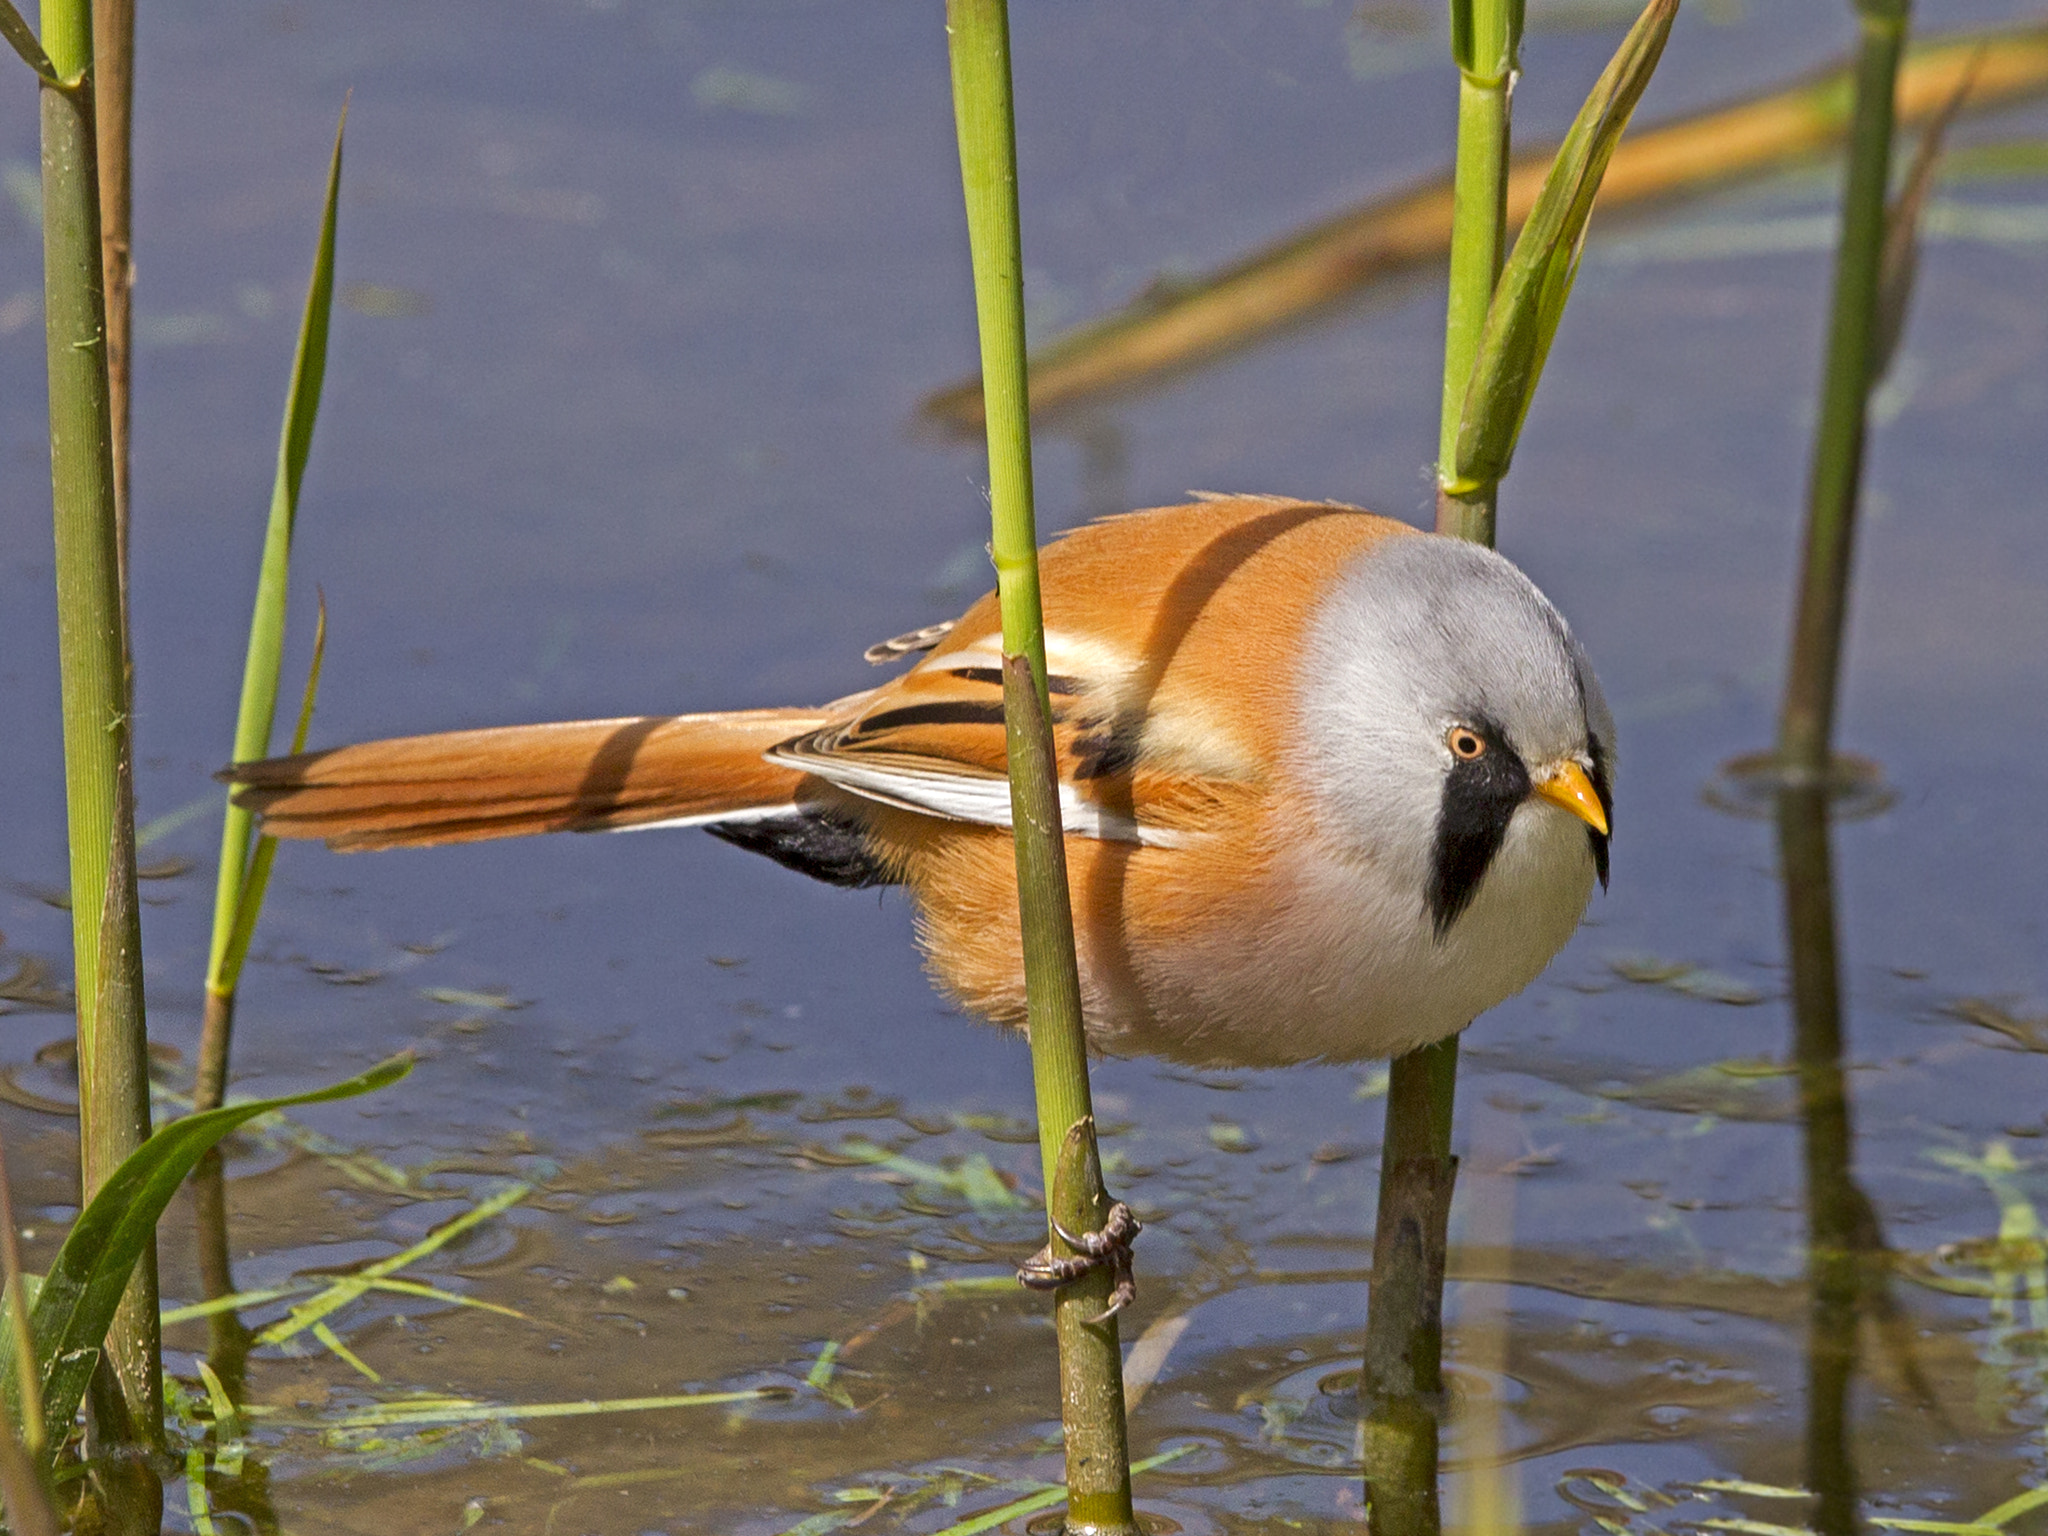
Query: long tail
x=581, y=776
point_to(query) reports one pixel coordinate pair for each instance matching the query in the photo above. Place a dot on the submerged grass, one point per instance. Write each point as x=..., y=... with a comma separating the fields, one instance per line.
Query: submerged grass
x=349, y=1287
x=75, y=1304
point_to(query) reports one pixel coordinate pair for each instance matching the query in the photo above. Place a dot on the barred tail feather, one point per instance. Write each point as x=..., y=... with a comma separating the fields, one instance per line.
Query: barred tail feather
x=512, y=781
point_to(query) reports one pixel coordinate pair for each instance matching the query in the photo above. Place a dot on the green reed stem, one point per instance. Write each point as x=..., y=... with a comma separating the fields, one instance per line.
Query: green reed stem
x=1806, y=723
x=1485, y=42
x=1091, y=1373
x=1403, y=1362
x=1860, y=333
x=113, y=1047
x=1838, y=1232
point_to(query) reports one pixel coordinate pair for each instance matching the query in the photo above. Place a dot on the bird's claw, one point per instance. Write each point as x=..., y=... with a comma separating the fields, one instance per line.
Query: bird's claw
x=1109, y=1246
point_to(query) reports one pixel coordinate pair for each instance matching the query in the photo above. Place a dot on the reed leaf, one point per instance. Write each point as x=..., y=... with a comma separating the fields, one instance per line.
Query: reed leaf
x=78, y=1296
x=1899, y=265
x=249, y=901
x=239, y=882
x=24, y=42
x=1529, y=302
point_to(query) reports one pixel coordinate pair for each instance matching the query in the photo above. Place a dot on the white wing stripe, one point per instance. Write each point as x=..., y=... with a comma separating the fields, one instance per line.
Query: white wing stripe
x=983, y=801
x=711, y=818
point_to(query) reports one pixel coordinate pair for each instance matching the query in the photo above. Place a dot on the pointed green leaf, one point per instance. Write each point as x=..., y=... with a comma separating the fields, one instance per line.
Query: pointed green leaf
x=27, y=44
x=249, y=902
x=85, y=1282
x=1529, y=300
x=260, y=671
x=1900, y=263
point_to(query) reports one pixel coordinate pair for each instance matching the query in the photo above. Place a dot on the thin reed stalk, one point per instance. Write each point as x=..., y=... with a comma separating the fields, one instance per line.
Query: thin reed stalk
x=1401, y=1384
x=1872, y=281
x=1404, y=1321
x=113, y=1048
x=1091, y=1374
x=1807, y=721
x=1501, y=318
x=1837, y=1233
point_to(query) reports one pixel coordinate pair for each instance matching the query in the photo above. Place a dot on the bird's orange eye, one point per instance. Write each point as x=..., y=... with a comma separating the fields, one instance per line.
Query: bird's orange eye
x=1466, y=744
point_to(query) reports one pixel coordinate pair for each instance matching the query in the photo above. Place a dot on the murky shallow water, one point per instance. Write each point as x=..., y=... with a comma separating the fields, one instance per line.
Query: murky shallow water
x=620, y=421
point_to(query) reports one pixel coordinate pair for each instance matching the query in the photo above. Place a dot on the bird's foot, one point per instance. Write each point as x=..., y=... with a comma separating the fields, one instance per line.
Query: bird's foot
x=1109, y=1247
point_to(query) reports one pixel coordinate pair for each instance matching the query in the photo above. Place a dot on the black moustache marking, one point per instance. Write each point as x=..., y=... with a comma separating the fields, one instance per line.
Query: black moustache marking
x=1480, y=799
x=1598, y=774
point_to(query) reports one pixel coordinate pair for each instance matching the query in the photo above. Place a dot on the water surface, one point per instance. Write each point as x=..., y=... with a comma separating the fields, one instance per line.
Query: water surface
x=640, y=301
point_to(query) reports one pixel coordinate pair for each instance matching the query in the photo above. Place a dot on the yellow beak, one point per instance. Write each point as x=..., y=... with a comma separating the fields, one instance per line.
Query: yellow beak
x=1566, y=784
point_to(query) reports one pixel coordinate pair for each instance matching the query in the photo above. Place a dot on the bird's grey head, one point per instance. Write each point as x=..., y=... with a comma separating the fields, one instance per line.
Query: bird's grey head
x=1444, y=699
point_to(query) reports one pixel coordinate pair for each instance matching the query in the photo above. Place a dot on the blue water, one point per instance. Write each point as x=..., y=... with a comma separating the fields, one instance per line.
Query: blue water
x=639, y=301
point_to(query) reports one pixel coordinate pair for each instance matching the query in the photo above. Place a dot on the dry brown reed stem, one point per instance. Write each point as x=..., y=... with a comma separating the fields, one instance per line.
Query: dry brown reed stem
x=1289, y=280
x=113, y=29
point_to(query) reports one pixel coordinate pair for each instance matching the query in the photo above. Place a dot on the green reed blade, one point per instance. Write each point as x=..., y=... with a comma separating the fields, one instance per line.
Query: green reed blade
x=235, y=1302
x=344, y=1354
x=2024, y=1504
x=1899, y=266
x=1537, y=280
x=243, y=876
x=249, y=901
x=265, y=656
x=86, y=1279
x=24, y=42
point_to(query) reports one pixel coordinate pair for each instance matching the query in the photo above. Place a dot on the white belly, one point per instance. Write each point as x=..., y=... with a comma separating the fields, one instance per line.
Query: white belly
x=1343, y=968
